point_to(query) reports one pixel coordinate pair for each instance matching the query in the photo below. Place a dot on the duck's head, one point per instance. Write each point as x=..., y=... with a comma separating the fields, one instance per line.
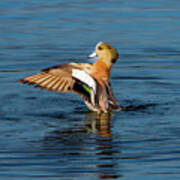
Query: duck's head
x=106, y=53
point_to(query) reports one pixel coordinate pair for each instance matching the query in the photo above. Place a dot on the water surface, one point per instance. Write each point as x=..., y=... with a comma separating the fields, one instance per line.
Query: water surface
x=47, y=135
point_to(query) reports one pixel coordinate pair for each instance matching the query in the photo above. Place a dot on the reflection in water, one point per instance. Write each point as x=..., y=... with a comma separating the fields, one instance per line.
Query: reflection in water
x=97, y=154
x=98, y=123
x=101, y=124
x=40, y=139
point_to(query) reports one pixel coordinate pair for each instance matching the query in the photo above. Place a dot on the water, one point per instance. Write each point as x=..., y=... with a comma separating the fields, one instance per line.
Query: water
x=46, y=135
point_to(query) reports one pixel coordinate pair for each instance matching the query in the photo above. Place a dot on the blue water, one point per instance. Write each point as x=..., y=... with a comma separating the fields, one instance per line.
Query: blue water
x=47, y=135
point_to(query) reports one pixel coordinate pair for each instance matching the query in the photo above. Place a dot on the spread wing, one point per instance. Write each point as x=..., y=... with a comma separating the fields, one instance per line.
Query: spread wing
x=59, y=78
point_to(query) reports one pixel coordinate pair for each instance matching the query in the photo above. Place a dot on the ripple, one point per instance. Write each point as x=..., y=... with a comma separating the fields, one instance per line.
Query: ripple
x=135, y=78
x=46, y=135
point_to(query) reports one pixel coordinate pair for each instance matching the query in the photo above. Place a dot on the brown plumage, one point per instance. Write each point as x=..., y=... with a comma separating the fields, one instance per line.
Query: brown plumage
x=91, y=82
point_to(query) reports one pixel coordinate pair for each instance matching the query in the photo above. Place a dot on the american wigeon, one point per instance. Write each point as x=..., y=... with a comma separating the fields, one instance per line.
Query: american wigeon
x=89, y=81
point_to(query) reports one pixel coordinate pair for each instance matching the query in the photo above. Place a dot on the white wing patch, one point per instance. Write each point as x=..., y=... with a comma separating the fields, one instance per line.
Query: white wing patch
x=84, y=77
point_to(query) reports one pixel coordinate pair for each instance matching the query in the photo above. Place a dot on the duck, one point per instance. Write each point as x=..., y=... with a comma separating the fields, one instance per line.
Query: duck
x=90, y=81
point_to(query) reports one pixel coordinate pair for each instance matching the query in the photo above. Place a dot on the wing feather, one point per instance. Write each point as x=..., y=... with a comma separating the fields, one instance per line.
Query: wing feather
x=34, y=77
x=42, y=80
x=56, y=85
x=61, y=85
x=51, y=83
x=45, y=82
x=57, y=78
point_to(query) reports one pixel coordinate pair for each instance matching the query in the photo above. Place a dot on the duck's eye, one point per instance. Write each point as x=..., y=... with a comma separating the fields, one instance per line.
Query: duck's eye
x=100, y=48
